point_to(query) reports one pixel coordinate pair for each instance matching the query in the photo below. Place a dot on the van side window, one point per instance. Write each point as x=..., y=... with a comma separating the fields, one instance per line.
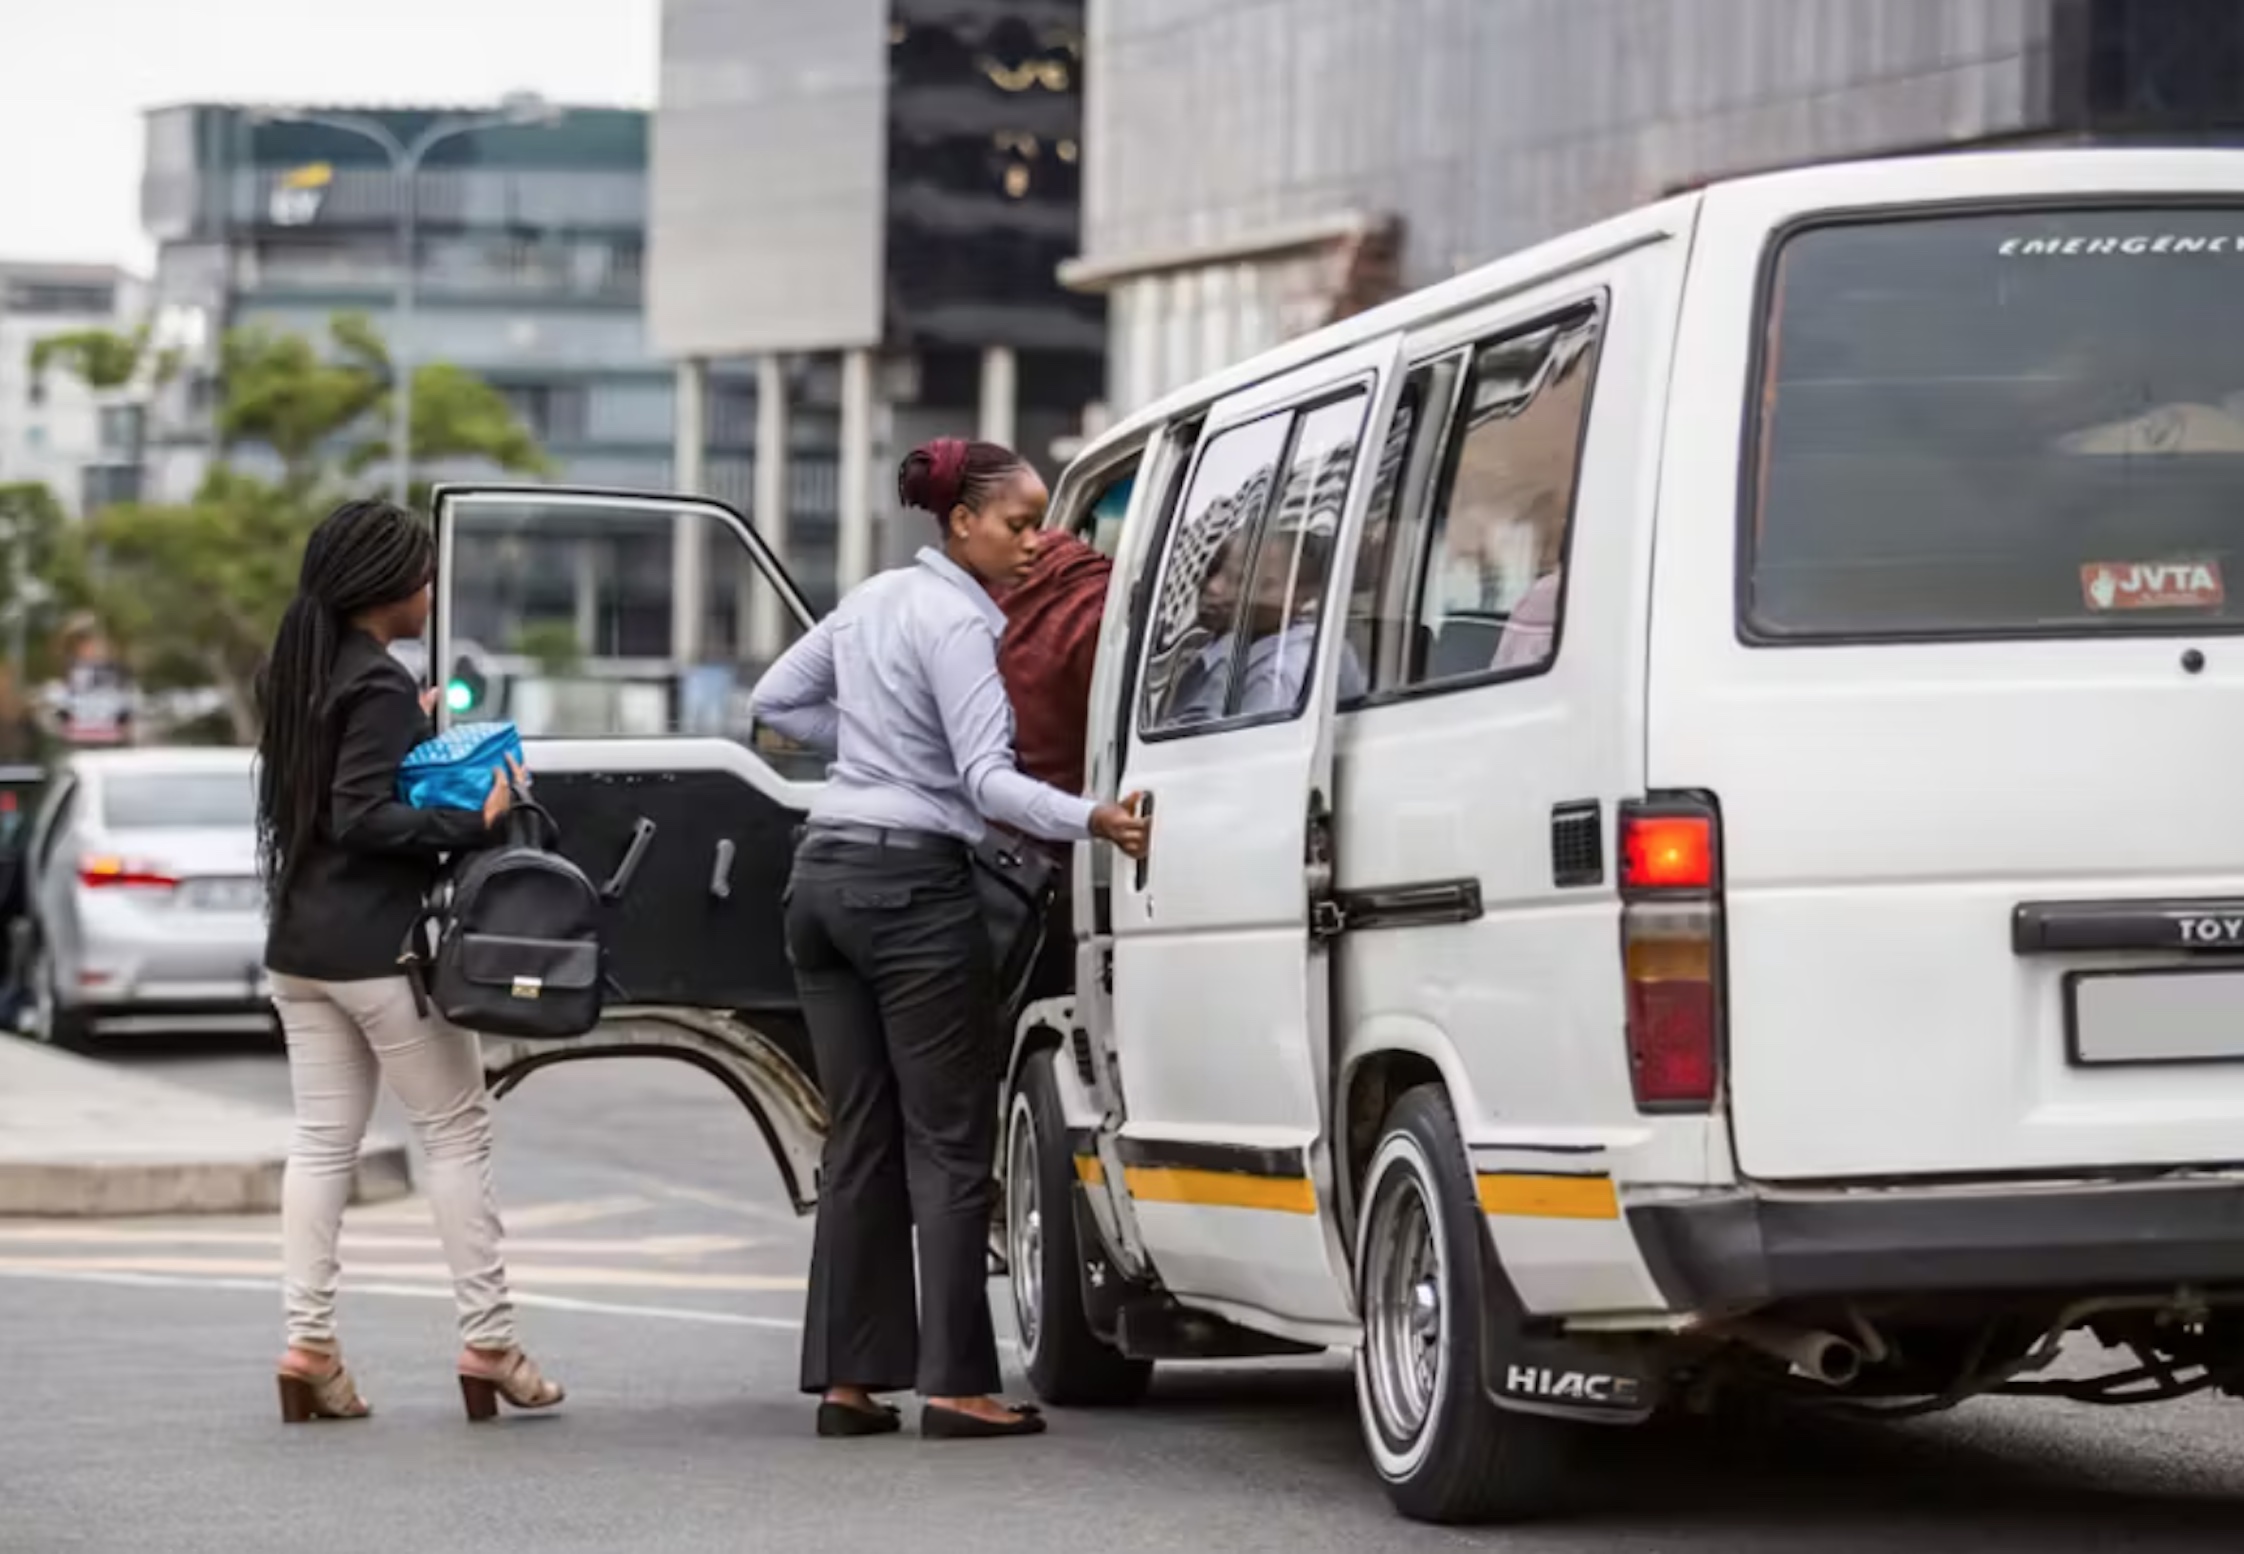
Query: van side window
x=1285, y=598
x=1379, y=611
x=1099, y=522
x=1493, y=595
x=1188, y=659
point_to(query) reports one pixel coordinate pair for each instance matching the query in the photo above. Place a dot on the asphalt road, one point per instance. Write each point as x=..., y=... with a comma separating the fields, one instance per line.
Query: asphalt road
x=661, y=1280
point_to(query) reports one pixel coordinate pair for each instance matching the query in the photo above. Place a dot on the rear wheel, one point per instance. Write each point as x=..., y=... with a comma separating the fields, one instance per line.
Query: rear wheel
x=46, y=1018
x=1066, y=1361
x=1446, y=1453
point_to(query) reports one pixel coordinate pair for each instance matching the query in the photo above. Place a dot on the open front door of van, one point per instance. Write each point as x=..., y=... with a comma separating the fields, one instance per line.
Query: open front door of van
x=621, y=633
x=1220, y=975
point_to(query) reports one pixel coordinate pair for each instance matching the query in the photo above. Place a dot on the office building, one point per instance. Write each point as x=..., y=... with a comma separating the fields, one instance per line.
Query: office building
x=55, y=430
x=875, y=195
x=1260, y=167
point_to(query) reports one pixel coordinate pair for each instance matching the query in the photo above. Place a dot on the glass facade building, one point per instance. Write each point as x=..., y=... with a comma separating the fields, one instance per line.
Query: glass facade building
x=1259, y=167
x=984, y=197
x=529, y=269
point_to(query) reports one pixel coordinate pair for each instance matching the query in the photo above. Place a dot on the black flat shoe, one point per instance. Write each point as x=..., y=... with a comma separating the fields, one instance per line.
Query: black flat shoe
x=952, y=1424
x=845, y=1419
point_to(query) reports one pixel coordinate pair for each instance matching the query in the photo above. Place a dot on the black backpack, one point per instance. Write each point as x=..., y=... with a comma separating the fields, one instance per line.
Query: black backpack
x=518, y=949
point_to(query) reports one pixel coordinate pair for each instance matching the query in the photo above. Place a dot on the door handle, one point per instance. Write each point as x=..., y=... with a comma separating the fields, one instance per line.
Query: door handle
x=1145, y=812
x=642, y=835
x=720, y=880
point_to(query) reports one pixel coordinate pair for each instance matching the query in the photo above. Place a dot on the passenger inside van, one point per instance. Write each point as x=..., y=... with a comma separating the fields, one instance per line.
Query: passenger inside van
x=1204, y=683
x=1281, y=625
x=1047, y=655
x=1526, y=641
x=1046, y=658
x=1276, y=615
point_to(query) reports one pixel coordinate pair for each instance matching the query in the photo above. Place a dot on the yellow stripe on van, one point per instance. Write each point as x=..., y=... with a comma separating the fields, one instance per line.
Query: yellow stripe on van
x=1090, y=1170
x=1549, y=1197
x=1220, y=1189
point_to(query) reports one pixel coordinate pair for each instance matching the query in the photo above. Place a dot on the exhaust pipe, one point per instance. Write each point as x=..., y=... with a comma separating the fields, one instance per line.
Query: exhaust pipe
x=1817, y=1355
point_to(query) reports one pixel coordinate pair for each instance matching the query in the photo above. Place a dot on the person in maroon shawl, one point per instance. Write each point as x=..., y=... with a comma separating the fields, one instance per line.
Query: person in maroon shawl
x=1046, y=656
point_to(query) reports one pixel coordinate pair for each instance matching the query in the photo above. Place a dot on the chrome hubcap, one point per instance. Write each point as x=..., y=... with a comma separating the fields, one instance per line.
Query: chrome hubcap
x=1403, y=1307
x=1024, y=1228
x=1425, y=1310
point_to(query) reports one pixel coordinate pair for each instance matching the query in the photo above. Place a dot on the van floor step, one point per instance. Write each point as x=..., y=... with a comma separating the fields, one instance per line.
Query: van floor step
x=1163, y=1330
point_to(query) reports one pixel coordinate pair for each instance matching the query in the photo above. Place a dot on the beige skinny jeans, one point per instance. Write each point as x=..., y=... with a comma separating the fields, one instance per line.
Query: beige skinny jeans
x=344, y=1038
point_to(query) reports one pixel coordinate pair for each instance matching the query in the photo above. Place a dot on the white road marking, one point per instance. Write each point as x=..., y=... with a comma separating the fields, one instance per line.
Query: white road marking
x=414, y=1210
x=63, y=1233
x=772, y=1213
x=265, y=1287
x=583, y=1276
x=540, y=1216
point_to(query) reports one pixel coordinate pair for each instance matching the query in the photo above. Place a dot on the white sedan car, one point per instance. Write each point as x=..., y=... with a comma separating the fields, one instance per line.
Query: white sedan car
x=144, y=909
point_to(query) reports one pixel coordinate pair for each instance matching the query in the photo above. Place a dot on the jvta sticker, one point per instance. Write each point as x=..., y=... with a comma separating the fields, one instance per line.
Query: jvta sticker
x=2152, y=585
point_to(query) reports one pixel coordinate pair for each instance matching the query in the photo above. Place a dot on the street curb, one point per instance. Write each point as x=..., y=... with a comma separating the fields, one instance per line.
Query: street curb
x=125, y=1189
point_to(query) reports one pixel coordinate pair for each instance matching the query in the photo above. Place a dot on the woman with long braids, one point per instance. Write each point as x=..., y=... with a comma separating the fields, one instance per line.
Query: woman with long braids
x=891, y=954
x=346, y=865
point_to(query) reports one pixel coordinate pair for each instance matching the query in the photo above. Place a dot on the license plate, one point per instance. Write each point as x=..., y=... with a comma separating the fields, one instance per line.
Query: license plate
x=2156, y=1017
x=233, y=895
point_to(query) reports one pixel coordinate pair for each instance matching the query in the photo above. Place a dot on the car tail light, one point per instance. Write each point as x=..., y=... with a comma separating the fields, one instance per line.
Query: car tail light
x=1671, y=952
x=125, y=872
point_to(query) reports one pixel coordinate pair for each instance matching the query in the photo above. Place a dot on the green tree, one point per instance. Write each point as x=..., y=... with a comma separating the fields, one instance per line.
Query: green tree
x=322, y=412
x=33, y=527
x=35, y=595
x=192, y=592
x=103, y=359
x=278, y=391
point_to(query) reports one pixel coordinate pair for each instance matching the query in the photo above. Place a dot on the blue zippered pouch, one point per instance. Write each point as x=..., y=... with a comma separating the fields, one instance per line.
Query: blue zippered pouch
x=453, y=770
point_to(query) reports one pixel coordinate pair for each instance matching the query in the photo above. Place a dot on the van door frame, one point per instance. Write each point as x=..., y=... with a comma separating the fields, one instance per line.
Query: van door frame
x=1077, y=1024
x=1380, y=367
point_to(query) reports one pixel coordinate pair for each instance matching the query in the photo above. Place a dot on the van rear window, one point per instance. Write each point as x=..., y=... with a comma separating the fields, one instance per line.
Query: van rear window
x=2027, y=423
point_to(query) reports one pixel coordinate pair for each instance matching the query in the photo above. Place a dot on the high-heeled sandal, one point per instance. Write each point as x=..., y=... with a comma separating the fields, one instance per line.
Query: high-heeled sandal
x=518, y=1381
x=307, y=1395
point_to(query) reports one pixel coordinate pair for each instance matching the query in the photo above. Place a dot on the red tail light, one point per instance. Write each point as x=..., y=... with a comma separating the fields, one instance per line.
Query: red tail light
x=1667, y=852
x=1671, y=953
x=125, y=872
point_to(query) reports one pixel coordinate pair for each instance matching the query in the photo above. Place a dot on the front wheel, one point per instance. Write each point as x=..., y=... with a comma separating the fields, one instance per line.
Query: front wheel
x=1445, y=1452
x=1066, y=1361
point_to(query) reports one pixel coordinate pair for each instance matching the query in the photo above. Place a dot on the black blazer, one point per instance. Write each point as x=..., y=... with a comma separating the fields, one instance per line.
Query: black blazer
x=362, y=876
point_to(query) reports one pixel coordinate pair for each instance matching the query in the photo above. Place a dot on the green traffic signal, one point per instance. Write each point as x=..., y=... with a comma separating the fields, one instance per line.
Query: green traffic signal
x=464, y=692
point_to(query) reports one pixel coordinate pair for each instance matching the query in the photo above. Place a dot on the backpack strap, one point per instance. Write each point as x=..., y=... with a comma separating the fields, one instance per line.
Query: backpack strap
x=412, y=955
x=529, y=824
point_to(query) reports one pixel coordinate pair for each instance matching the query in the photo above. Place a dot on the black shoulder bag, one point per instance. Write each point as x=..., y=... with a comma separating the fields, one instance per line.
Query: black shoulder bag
x=1016, y=881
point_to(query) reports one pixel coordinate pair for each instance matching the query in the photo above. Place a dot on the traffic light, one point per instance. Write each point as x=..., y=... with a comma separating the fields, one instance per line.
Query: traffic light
x=464, y=692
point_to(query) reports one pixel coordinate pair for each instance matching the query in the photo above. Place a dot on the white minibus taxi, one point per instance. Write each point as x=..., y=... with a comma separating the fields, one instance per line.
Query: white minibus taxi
x=1696, y=846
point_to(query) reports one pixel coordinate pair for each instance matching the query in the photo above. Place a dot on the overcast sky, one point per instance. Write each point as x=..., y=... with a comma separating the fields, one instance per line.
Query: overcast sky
x=75, y=75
